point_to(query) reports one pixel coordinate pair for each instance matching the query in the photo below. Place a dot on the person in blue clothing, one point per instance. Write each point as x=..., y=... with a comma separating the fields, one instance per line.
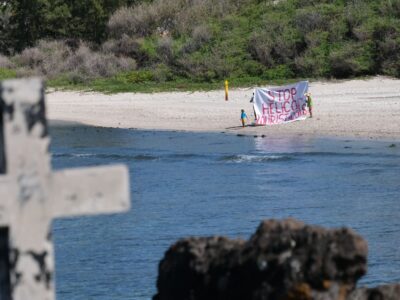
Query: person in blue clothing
x=243, y=118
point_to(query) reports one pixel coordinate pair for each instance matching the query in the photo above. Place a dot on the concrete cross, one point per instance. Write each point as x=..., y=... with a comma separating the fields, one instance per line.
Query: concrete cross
x=31, y=195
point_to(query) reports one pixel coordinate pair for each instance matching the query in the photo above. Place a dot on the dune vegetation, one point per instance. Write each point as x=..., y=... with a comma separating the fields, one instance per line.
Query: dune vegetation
x=196, y=44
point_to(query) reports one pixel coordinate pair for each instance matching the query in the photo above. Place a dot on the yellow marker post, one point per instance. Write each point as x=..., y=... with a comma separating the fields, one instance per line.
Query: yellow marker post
x=226, y=90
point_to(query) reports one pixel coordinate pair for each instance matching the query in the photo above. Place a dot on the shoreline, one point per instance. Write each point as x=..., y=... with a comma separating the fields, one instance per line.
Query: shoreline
x=357, y=109
x=345, y=139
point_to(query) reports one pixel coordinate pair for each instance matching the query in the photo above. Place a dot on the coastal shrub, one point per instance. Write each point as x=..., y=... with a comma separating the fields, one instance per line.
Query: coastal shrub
x=47, y=59
x=30, y=57
x=207, y=67
x=389, y=56
x=5, y=62
x=201, y=35
x=386, y=37
x=351, y=59
x=274, y=44
x=145, y=18
x=307, y=20
x=313, y=61
x=26, y=72
x=279, y=72
x=149, y=47
x=135, y=76
x=131, y=21
x=162, y=73
x=97, y=64
x=165, y=50
x=168, y=17
x=54, y=58
x=356, y=13
x=390, y=8
x=252, y=68
x=124, y=46
x=262, y=50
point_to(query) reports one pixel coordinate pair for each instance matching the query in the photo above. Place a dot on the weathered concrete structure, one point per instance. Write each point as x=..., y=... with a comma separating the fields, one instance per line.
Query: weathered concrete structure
x=31, y=195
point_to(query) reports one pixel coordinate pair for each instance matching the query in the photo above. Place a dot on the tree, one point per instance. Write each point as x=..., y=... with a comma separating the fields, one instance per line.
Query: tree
x=32, y=20
x=6, y=43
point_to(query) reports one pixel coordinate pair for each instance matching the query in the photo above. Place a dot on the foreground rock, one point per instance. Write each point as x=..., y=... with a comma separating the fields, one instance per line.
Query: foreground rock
x=282, y=260
x=385, y=292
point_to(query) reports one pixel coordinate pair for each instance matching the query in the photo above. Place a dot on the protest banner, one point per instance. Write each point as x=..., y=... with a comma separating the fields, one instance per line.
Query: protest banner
x=280, y=104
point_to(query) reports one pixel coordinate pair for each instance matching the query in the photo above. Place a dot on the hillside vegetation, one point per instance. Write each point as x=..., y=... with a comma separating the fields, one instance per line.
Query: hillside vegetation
x=143, y=44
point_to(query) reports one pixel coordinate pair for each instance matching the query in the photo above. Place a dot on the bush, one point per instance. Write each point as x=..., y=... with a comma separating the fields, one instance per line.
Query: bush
x=125, y=21
x=252, y=68
x=165, y=50
x=47, y=58
x=201, y=35
x=144, y=19
x=390, y=8
x=351, y=59
x=135, y=77
x=279, y=72
x=206, y=67
x=307, y=20
x=275, y=43
x=54, y=58
x=162, y=73
x=30, y=57
x=124, y=46
x=5, y=62
x=26, y=72
x=174, y=17
x=96, y=64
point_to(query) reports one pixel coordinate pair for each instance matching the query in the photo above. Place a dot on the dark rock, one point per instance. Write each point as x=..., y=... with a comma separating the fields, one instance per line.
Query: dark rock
x=384, y=292
x=282, y=260
x=196, y=268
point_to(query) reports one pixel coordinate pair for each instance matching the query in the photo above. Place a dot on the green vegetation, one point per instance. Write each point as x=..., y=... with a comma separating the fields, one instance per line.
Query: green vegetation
x=7, y=74
x=177, y=44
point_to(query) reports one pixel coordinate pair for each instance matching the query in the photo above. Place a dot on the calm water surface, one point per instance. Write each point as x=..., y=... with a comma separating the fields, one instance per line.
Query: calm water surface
x=185, y=184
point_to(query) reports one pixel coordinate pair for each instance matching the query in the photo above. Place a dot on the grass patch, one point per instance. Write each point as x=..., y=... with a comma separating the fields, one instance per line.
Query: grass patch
x=7, y=74
x=118, y=85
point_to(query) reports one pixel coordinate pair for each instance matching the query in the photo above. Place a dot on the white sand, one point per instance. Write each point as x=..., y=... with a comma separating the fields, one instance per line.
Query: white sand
x=357, y=108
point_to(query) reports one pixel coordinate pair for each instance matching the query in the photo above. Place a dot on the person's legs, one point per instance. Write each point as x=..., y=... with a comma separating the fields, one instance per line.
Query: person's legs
x=243, y=122
x=310, y=111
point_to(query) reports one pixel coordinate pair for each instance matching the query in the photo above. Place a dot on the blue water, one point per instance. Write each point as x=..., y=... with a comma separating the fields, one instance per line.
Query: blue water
x=185, y=184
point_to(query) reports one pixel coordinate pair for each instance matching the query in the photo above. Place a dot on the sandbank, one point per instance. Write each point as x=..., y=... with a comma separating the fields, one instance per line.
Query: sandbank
x=367, y=108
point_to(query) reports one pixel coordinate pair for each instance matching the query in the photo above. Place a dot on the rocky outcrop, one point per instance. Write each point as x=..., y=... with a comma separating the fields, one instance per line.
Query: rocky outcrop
x=282, y=260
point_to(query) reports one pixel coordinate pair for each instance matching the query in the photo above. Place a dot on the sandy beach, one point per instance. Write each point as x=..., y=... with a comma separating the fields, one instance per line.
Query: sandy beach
x=367, y=108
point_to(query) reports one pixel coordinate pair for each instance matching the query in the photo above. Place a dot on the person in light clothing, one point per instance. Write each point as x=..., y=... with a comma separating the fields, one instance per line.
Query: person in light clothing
x=254, y=110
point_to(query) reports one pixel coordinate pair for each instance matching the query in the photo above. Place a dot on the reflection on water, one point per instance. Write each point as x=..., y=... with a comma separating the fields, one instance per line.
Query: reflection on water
x=185, y=184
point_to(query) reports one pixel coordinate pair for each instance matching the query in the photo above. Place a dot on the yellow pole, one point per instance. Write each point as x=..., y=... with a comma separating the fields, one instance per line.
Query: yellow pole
x=226, y=90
